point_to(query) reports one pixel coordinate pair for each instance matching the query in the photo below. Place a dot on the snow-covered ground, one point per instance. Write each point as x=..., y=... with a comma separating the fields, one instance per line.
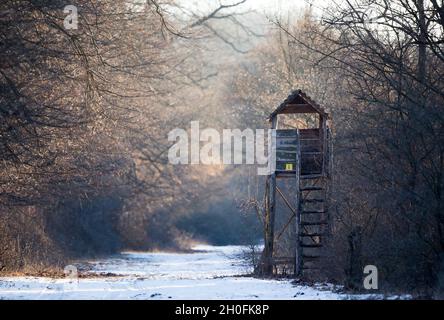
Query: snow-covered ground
x=209, y=273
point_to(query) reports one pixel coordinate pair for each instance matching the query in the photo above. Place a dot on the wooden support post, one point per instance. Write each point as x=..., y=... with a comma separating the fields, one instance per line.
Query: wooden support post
x=270, y=214
x=324, y=139
x=297, y=229
x=266, y=266
x=269, y=227
x=330, y=153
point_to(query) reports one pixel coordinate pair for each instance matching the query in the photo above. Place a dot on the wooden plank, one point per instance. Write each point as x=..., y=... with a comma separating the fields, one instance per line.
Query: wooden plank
x=285, y=160
x=287, y=152
x=291, y=153
x=286, y=133
x=304, y=132
x=286, y=143
x=290, y=145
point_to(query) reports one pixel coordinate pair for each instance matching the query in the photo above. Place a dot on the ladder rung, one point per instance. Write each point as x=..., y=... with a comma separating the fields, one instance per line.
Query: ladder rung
x=309, y=235
x=311, y=268
x=310, y=257
x=312, y=200
x=313, y=212
x=312, y=188
x=312, y=176
x=283, y=261
x=311, y=245
x=314, y=223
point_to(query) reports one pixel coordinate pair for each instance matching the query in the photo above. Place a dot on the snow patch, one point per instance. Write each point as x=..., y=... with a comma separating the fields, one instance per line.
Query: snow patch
x=209, y=273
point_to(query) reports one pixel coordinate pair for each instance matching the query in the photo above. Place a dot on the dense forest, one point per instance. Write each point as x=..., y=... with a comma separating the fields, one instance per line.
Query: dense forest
x=85, y=115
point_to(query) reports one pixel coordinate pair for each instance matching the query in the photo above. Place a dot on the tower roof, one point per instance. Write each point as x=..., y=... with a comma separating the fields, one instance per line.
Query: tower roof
x=298, y=102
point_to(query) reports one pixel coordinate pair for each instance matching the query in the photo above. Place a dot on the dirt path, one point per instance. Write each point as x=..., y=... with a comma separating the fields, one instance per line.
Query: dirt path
x=210, y=273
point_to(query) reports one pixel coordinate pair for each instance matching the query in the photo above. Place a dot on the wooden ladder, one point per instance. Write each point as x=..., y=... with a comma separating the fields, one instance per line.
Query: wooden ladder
x=313, y=222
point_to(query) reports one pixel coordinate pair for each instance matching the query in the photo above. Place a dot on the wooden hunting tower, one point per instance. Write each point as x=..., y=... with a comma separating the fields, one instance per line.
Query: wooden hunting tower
x=302, y=151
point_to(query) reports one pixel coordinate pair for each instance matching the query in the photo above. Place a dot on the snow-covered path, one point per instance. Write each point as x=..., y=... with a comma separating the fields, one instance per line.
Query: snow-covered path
x=209, y=273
